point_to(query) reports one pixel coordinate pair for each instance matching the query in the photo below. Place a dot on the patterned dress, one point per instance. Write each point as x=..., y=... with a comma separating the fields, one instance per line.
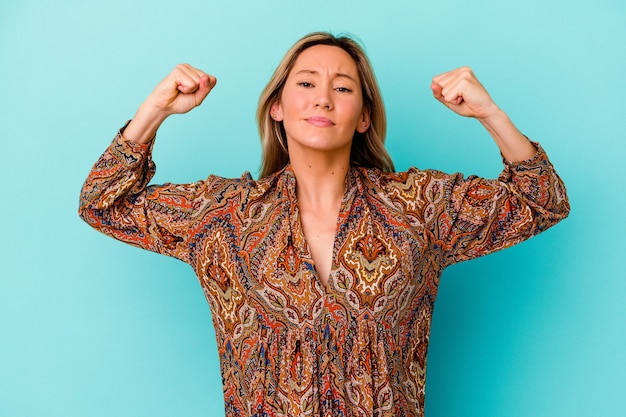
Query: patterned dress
x=288, y=345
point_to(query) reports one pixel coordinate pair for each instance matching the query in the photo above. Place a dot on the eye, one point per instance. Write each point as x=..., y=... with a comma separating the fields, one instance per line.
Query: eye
x=305, y=84
x=343, y=89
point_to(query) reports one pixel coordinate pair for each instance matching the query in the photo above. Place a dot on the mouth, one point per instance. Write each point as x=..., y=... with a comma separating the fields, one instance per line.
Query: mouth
x=320, y=121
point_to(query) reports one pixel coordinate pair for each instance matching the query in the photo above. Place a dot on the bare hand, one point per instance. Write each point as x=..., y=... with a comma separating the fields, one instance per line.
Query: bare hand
x=462, y=93
x=183, y=89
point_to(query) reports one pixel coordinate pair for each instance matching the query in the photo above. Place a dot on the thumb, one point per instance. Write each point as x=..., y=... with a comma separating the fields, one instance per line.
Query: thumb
x=436, y=90
x=205, y=86
x=438, y=94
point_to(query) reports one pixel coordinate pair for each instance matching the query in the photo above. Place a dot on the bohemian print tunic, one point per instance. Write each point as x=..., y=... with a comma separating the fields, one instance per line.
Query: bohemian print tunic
x=288, y=345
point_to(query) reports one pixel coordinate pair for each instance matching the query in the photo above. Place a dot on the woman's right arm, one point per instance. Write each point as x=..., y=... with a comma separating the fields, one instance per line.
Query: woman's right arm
x=182, y=90
x=116, y=199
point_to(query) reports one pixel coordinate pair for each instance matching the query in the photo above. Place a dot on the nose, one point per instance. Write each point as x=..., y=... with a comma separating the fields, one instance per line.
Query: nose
x=323, y=99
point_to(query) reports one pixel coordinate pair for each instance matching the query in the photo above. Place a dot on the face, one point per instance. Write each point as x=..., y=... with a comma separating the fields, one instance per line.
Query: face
x=321, y=105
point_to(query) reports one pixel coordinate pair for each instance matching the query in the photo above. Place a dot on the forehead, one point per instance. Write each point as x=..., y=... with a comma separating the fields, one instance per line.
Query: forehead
x=325, y=59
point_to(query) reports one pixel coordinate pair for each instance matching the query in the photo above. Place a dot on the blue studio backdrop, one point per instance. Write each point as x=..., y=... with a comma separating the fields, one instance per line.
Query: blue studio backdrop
x=92, y=327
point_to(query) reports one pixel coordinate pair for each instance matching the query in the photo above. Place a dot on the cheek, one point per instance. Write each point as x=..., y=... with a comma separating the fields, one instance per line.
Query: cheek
x=298, y=101
x=291, y=107
x=292, y=96
x=353, y=111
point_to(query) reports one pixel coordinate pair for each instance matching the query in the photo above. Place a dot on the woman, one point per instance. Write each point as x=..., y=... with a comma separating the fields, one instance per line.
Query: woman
x=322, y=274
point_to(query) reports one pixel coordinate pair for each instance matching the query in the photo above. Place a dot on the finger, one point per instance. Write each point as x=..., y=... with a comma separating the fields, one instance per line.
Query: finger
x=455, y=91
x=451, y=94
x=210, y=81
x=190, y=71
x=442, y=90
x=187, y=78
x=203, y=83
x=455, y=83
x=436, y=89
x=455, y=73
x=207, y=83
x=446, y=77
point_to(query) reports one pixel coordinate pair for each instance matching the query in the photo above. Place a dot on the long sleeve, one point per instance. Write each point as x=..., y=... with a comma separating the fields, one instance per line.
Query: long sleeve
x=116, y=200
x=470, y=217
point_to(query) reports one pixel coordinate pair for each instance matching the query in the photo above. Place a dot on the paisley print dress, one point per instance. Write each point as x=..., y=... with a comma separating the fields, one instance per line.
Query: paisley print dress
x=288, y=345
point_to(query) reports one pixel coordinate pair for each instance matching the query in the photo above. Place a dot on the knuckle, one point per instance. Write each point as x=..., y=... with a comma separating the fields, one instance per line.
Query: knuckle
x=467, y=74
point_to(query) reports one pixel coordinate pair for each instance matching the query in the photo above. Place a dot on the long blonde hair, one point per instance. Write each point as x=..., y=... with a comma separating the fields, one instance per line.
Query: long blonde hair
x=368, y=149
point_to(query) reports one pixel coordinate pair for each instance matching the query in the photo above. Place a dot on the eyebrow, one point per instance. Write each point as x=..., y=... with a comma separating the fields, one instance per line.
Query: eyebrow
x=337, y=74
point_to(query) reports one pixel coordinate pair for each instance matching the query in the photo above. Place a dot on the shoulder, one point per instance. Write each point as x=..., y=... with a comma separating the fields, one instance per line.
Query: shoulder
x=246, y=186
x=216, y=184
x=412, y=177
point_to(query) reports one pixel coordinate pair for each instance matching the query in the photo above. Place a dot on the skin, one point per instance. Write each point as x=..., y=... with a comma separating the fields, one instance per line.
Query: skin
x=321, y=107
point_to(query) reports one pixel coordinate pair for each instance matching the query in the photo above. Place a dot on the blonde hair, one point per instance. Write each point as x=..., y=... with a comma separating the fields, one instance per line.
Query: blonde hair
x=368, y=149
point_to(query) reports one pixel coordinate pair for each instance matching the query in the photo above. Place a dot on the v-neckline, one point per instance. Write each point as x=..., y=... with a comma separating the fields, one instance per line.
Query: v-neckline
x=296, y=225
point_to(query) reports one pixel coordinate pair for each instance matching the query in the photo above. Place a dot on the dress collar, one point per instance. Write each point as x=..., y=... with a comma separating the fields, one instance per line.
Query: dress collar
x=287, y=183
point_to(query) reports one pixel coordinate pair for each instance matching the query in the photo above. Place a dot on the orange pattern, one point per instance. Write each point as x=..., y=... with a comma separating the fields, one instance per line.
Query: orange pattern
x=288, y=345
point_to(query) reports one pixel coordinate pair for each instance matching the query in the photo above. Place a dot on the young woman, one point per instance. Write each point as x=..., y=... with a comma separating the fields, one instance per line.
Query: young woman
x=322, y=274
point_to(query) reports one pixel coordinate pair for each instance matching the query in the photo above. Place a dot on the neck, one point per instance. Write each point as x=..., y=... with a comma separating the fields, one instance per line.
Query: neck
x=320, y=180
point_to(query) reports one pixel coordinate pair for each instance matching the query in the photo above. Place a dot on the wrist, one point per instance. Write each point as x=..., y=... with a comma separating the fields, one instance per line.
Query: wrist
x=144, y=125
x=513, y=145
x=494, y=117
x=151, y=112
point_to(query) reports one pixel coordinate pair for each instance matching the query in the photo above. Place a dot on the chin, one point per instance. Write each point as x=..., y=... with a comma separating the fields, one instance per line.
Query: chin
x=325, y=144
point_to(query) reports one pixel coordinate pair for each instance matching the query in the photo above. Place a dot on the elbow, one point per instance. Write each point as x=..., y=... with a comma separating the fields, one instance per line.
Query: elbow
x=82, y=213
x=85, y=214
x=565, y=209
x=555, y=213
x=86, y=211
x=557, y=205
x=561, y=203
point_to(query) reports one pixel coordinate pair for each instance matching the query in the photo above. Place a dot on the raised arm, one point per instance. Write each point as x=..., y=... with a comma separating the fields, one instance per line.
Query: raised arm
x=461, y=92
x=183, y=89
x=116, y=199
x=469, y=217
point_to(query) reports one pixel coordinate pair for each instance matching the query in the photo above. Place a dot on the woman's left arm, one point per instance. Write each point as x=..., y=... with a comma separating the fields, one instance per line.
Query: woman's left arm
x=461, y=92
x=480, y=216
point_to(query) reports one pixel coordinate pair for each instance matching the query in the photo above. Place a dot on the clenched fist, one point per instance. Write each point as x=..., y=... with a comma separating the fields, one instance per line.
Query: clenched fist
x=182, y=90
x=462, y=93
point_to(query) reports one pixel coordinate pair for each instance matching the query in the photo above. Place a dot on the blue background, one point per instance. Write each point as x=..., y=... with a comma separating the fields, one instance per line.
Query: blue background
x=92, y=327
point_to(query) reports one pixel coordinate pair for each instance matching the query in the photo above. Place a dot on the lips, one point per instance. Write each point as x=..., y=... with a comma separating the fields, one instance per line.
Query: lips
x=320, y=121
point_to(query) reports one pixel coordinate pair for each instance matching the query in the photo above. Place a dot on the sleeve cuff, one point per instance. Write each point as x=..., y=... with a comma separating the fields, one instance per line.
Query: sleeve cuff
x=141, y=148
x=129, y=152
x=539, y=157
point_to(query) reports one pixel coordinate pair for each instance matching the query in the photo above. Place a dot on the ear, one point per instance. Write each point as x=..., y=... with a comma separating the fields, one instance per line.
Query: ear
x=276, y=111
x=364, y=121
